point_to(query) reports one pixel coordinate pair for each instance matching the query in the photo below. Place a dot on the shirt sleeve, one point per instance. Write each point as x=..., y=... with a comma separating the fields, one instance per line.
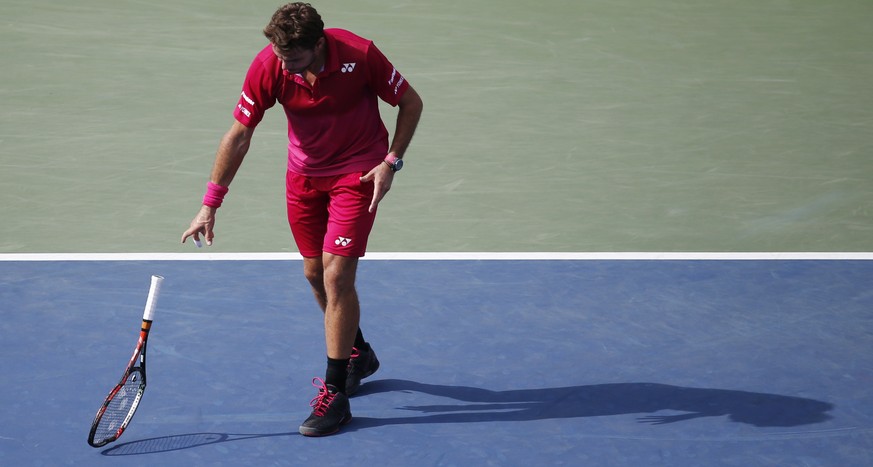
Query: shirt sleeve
x=258, y=93
x=388, y=83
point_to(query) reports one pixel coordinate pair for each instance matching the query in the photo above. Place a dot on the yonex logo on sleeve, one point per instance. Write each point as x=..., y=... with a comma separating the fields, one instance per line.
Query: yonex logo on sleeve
x=348, y=67
x=242, y=108
x=394, y=76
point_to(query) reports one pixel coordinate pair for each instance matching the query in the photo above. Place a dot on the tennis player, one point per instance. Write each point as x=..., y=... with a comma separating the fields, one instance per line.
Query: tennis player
x=340, y=166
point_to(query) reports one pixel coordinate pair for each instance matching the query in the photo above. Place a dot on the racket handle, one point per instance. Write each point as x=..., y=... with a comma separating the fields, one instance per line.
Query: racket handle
x=152, y=301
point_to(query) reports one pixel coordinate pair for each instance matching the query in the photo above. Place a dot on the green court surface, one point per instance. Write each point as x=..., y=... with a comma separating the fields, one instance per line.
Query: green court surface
x=623, y=125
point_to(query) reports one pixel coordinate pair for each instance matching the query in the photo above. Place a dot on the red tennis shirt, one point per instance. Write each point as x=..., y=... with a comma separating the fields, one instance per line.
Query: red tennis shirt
x=334, y=126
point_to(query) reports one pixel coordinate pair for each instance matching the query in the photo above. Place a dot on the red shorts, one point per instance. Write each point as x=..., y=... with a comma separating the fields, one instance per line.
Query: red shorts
x=329, y=214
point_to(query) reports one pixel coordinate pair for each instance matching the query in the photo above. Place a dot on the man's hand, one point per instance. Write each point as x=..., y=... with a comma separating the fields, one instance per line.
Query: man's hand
x=203, y=223
x=382, y=176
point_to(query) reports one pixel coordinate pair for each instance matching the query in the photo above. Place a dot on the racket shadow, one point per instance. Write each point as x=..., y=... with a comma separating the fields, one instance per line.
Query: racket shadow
x=181, y=442
x=644, y=399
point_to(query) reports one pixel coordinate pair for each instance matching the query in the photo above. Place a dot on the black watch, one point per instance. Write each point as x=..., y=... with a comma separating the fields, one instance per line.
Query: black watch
x=394, y=162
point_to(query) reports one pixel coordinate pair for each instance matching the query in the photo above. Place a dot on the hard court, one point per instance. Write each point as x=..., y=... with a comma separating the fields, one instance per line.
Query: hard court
x=627, y=233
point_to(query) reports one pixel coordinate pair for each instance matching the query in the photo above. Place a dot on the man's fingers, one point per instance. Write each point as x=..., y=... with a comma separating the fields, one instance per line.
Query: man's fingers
x=199, y=227
x=379, y=192
x=209, y=235
x=369, y=176
x=381, y=184
x=189, y=233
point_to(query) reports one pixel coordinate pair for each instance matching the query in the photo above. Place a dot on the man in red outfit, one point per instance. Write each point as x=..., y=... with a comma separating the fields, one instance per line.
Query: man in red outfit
x=340, y=166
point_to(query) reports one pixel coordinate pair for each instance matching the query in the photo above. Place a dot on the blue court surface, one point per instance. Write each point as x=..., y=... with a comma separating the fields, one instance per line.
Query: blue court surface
x=484, y=362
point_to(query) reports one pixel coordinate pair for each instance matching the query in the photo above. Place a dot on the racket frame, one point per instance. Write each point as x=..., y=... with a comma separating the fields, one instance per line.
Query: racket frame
x=137, y=364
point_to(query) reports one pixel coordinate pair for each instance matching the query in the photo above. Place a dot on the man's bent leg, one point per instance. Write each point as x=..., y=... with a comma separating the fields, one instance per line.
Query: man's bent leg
x=313, y=269
x=342, y=313
x=363, y=362
x=333, y=282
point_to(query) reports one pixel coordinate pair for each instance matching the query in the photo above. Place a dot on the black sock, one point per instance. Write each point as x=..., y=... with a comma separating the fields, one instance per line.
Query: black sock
x=337, y=369
x=360, y=343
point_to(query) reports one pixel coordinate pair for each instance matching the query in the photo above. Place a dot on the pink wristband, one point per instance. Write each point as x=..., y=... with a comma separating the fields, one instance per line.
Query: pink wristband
x=214, y=195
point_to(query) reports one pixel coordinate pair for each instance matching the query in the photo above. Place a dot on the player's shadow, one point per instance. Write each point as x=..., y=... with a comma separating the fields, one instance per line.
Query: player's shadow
x=482, y=405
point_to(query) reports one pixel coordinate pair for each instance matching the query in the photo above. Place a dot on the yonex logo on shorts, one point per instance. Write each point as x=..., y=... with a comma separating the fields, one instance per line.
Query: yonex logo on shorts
x=348, y=67
x=342, y=241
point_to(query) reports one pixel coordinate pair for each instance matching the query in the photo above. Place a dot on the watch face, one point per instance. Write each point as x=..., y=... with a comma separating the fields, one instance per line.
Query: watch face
x=398, y=164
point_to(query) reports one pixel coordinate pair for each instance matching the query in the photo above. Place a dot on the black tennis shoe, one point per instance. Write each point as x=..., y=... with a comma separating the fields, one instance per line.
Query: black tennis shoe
x=362, y=364
x=330, y=410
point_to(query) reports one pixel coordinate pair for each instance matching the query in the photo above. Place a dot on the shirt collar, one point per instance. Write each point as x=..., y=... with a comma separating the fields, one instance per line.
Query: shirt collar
x=331, y=62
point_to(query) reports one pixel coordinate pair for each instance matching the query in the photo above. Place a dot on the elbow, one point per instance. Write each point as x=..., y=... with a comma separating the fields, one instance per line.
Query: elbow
x=412, y=102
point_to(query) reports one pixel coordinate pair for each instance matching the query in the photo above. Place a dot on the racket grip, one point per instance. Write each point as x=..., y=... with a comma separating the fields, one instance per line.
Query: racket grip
x=152, y=301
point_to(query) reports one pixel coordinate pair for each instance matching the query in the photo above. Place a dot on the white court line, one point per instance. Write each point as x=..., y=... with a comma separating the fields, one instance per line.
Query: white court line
x=447, y=256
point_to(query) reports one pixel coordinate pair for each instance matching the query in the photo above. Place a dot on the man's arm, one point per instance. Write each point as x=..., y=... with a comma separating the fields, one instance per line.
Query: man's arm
x=231, y=151
x=408, y=115
x=228, y=159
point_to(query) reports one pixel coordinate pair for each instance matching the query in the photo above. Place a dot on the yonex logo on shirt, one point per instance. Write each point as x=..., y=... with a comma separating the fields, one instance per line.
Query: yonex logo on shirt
x=348, y=67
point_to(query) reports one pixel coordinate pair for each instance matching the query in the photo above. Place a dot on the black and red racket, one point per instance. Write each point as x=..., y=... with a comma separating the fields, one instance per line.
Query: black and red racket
x=123, y=400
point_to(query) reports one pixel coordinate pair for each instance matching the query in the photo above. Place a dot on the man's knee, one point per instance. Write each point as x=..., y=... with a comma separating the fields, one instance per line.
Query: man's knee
x=313, y=270
x=339, y=273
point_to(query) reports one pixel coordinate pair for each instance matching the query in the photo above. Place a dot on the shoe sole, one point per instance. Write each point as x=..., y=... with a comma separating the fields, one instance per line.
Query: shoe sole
x=314, y=433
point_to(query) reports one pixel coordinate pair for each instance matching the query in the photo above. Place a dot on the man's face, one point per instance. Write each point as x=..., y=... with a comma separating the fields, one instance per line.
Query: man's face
x=297, y=60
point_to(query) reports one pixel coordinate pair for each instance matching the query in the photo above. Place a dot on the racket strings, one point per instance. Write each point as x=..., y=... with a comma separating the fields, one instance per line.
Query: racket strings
x=122, y=404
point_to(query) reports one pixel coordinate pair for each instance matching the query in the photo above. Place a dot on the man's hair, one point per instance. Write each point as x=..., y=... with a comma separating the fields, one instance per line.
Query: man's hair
x=295, y=26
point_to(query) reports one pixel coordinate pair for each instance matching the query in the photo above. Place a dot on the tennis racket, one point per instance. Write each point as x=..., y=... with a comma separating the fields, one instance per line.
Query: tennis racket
x=123, y=400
